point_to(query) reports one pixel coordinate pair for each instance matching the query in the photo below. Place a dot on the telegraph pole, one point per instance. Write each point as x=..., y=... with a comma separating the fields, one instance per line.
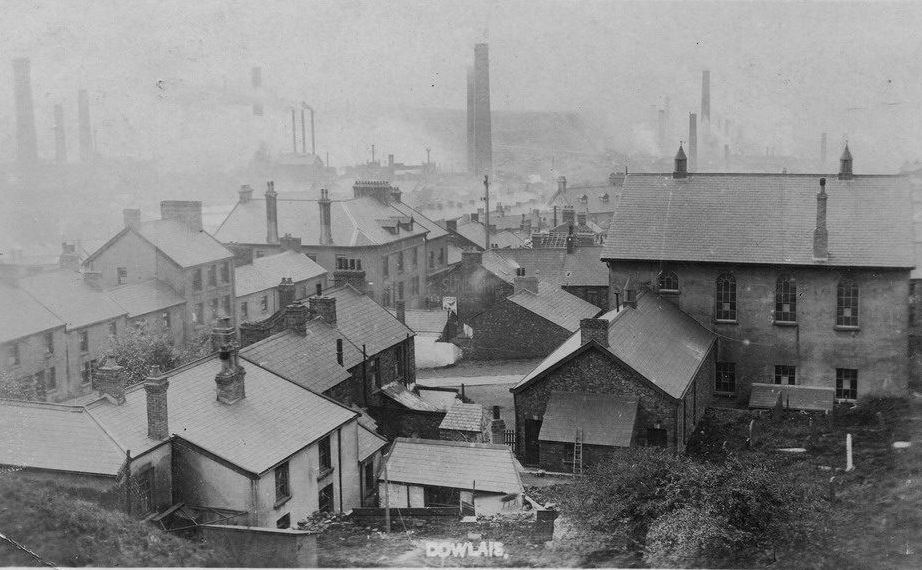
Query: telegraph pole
x=486, y=209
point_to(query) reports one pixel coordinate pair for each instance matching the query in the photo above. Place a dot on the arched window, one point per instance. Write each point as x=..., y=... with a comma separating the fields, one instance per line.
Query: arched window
x=668, y=281
x=847, y=304
x=725, y=306
x=785, y=299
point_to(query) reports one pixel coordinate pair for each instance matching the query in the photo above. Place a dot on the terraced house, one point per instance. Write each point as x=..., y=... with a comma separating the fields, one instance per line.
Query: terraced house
x=804, y=277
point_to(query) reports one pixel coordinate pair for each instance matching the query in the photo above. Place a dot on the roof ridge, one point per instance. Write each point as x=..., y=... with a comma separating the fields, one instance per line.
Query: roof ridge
x=451, y=443
x=73, y=408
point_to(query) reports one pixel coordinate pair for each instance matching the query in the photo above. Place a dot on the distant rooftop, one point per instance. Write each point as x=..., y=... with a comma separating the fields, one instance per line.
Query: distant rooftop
x=266, y=272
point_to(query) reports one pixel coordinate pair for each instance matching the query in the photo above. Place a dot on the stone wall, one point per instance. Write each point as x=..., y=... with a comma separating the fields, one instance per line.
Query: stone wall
x=507, y=330
x=263, y=547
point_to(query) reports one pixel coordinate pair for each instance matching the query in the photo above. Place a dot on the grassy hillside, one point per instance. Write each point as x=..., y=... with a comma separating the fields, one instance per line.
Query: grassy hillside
x=64, y=530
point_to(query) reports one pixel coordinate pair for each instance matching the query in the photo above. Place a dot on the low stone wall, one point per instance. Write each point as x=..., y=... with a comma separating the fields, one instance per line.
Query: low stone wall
x=264, y=547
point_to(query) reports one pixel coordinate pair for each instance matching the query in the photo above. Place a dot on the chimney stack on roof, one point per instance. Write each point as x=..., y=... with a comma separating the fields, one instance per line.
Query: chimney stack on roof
x=326, y=221
x=188, y=212
x=680, y=170
x=820, y=233
x=110, y=380
x=325, y=308
x=522, y=282
x=497, y=428
x=272, y=213
x=296, y=316
x=230, y=379
x=245, y=193
x=845, y=164
x=85, y=132
x=593, y=329
x=568, y=215
x=289, y=243
x=286, y=290
x=69, y=259
x=155, y=386
x=339, y=349
x=131, y=217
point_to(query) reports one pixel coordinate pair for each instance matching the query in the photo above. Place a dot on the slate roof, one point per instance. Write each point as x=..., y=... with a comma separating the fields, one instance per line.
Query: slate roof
x=755, y=218
x=61, y=438
x=182, y=244
x=442, y=398
x=605, y=419
x=266, y=272
x=464, y=417
x=75, y=302
x=145, y=297
x=369, y=442
x=360, y=319
x=424, y=321
x=435, y=230
x=354, y=222
x=276, y=419
x=795, y=397
x=400, y=394
x=555, y=305
x=582, y=267
x=22, y=315
x=595, y=202
x=454, y=464
x=659, y=341
x=308, y=360
x=475, y=232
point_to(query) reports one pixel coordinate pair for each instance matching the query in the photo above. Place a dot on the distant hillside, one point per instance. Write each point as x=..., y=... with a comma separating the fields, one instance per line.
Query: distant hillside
x=64, y=530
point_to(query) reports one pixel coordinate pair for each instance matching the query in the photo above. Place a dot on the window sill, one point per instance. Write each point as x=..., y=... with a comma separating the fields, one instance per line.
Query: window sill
x=282, y=501
x=846, y=328
x=791, y=324
x=725, y=322
x=669, y=292
x=324, y=472
x=725, y=394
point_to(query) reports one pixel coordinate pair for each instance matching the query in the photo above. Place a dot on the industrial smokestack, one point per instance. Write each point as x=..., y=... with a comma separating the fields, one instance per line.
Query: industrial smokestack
x=60, y=144
x=483, y=137
x=25, y=113
x=294, y=135
x=256, y=80
x=661, y=131
x=705, y=97
x=823, y=151
x=303, y=134
x=313, y=139
x=470, y=120
x=692, y=142
x=85, y=132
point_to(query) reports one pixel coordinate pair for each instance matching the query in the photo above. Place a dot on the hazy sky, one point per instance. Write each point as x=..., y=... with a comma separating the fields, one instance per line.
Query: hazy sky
x=785, y=70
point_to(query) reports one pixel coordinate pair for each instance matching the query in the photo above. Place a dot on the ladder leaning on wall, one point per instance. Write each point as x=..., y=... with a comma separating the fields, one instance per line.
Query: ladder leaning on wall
x=578, y=453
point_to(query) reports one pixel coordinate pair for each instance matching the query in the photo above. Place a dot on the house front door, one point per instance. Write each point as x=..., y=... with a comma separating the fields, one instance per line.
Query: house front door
x=532, y=429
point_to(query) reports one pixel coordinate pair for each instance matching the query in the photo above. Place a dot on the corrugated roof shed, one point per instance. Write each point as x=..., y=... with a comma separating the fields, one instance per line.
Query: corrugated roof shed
x=400, y=394
x=555, y=305
x=795, y=397
x=656, y=339
x=61, y=438
x=604, y=418
x=276, y=418
x=145, y=297
x=755, y=218
x=363, y=321
x=184, y=245
x=266, y=272
x=354, y=222
x=455, y=464
x=22, y=315
x=464, y=417
x=75, y=302
x=582, y=267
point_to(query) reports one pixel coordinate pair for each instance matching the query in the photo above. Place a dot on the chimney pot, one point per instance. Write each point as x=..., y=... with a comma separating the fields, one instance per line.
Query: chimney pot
x=681, y=164
x=593, y=329
x=155, y=387
x=229, y=380
x=325, y=308
x=286, y=289
x=296, y=316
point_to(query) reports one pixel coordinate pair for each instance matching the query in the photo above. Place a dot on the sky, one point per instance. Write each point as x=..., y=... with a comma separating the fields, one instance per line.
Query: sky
x=170, y=79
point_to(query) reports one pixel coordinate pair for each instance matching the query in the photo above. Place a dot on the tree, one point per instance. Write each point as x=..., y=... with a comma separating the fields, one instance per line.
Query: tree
x=137, y=350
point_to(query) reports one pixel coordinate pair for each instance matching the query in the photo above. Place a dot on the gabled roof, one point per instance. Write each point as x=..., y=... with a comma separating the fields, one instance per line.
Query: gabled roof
x=399, y=393
x=266, y=272
x=656, y=339
x=475, y=232
x=72, y=300
x=595, y=202
x=145, y=297
x=761, y=218
x=185, y=246
x=605, y=419
x=22, y=315
x=308, y=360
x=363, y=321
x=56, y=437
x=555, y=305
x=369, y=442
x=454, y=464
x=424, y=321
x=435, y=230
x=464, y=417
x=582, y=267
x=354, y=222
x=796, y=397
x=276, y=419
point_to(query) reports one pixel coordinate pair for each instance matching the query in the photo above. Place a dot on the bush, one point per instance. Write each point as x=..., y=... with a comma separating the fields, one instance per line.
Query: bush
x=690, y=537
x=137, y=350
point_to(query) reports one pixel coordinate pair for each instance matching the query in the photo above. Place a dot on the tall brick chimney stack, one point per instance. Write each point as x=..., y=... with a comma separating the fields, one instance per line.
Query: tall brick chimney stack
x=245, y=193
x=497, y=428
x=845, y=164
x=110, y=380
x=593, y=329
x=326, y=218
x=155, y=386
x=820, y=233
x=85, y=129
x=692, y=142
x=325, y=308
x=230, y=379
x=25, y=113
x=296, y=317
x=522, y=282
x=272, y=213
x=286, y=292
x=681, y=164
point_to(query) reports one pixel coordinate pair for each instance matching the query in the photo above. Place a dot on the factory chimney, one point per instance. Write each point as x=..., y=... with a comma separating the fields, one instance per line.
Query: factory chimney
x=25, y=113
x=820, y=233
x=60, y=143
x=483, y=138
x=85, y=132
x=272, y=216
x=470, y=119
x=692, y=142
x=661, y=131
x=705, y=98
x=256, y=80
x=823, y=151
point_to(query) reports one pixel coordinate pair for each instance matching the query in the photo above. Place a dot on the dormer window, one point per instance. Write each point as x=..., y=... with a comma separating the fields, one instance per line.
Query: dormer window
x=668, y=282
